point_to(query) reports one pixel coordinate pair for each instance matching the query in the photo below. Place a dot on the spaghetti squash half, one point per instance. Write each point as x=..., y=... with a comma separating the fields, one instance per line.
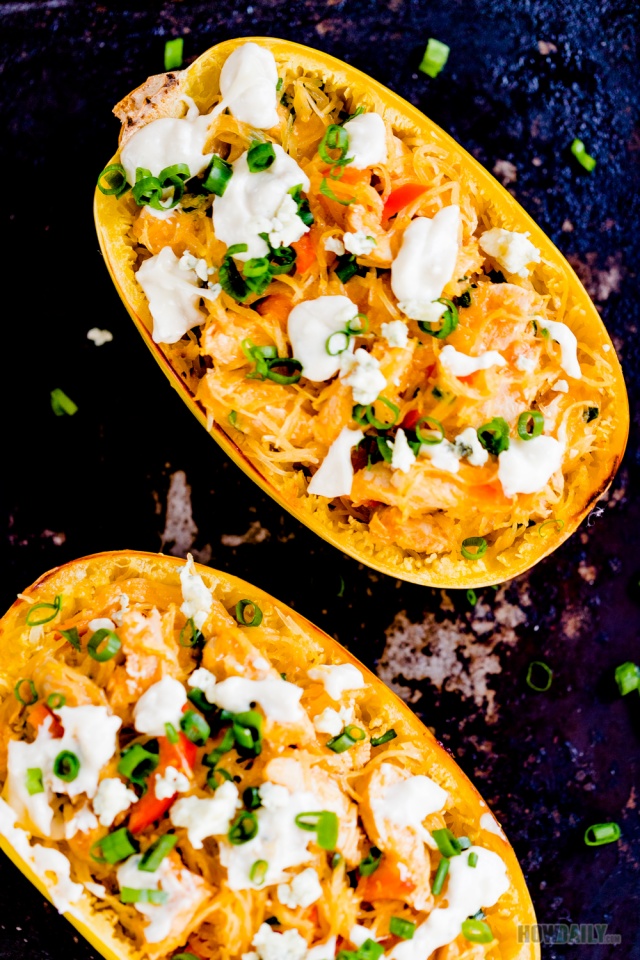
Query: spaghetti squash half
x=189, y=768
x=369, y=325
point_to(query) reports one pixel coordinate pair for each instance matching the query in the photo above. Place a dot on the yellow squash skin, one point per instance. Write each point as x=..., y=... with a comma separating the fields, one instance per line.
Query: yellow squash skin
x=448, y=571
x=82, y=578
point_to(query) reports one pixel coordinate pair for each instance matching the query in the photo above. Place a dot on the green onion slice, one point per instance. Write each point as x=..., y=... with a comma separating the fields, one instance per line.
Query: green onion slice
x=370, y=863
x=114, y=847
x=19, y=692
x=552, y=522
x=137, y=764
x=628, y=677
x=472, y=859
x=133, y=895
x=467, y=550
x=325, y=825
x=32, y=621
x=600, y=833
x=399, y=927
x=113, y=181
x=436, y=431
x=472, y=597
x=73, y=637
x=335, y=138
x=251, y=798
x=243, y=828
x=326, y=191
x=448, y=844
x=347, y=739
x=476, y=931
x=66, y=766
x=434, y=58
x=286, y=363
x=248, y=613
x=579, y=151
x=260, y=157
x=382, y=424
x=173, y=54
x=337, y=343
x=440, y=877
x=190, y=636
x=247, y=731
x=530, y=424
x=217, y=777
x=195, y=727
x=538, y=683
x=171, y=733
x=389, y=735
x=590, y=413
x=33, y=781
x=384, y=449
x=153, y=857
x=104, y=645
x=448, y=321
x=56, y=700
x=258, y=872
x=494, y=435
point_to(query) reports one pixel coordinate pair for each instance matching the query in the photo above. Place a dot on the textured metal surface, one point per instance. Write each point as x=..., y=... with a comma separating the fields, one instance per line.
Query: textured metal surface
x=134, y=469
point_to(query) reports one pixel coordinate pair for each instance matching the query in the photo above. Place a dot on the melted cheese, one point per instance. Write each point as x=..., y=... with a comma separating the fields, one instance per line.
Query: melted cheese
x=337, y=678
x=279, y=699
x=406, y=803
x=528, y=465
x=462, y=365
x=310, y=325
x=162, y=703
x=563, y=335
x=248, y=83
x=334, y=478
x=511, y=250
x=425, y=263
x=173, y=294
x=167, y=141
x=367, y=140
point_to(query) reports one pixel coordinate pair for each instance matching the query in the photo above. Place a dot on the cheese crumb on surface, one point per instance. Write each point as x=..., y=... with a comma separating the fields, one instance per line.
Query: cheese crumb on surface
x=99, y=337
x=396, y=333
x=367, y=140
x=362, y=373
x=303, y=890
x=271, y=945
x=329, y=721
x=467, y=445
x=511, y=250
x=561, y=386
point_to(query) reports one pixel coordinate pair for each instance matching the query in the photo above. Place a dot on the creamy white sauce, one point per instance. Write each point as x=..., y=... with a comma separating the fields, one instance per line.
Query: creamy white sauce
x=567, y=339
x=367, y=140
x=113, y=797
x=182, y=887
x=22, y=757
x=405, y=803
x=561, y=386
x=209, y=817
x=248, y=82
x=173, y=294
x=83, y=821
x=329, y=721
x=528, y=465
x=359, y=243
x=527, y=364
x=197, y=599
x=489, y=823
x=253, y=204
x=334, y=477
x=359, y=934
x=303, y=890
x=162, y=703
x=425, y=263
x=403, y=457
x=337, y=678
x=467, y=890
x=204, y=680
x=310, y=325
x=462, y=365
x=444, y=455
x=511, y=250
x=361, y=371
x=167, y=141
x=279, y=699
x=396, y=333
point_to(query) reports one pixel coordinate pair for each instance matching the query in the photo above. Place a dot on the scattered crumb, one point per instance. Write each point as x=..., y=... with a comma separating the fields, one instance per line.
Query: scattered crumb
x=99, y=337
x=57, y=538
x=600, y=284
x=180, y=530
x=567, y=226
x=537, y=161
x=255, y=534
x=588, y=572
x=505, y=171
x=545, y=47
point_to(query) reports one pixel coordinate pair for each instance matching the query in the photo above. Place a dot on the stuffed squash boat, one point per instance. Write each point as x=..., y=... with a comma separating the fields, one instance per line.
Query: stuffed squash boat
x=191, y=769
x=363, y=318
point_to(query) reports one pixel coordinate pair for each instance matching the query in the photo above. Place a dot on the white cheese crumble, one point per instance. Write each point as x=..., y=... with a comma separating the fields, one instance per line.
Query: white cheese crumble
x=337, y=678
x=303, y=890
x=527, y=364
x=195, y=594
x=184, y=891
x=162, y=703
x=444, y=456
x=210, y=817
x=467, y=445
x=270, y=945
x=204, y=680
x=362, y=373
x=113, y=797
x=405, y=803
x=248, y=82
x=334, y=245
x=167, y=141
x=359, y=934
x=359, y=243
x=323, y=951
x=396, y=333
x=279, y=699
x=169, y=783
x=101, y=623
x=561, y=386
x=99, y=337
x=511, y=250
x=425, y=263
x=462, y=365
x=567, y=339
x=173, y=294
x=367, y=140
x=310, y=325
x=403, y=457
x=528, y=465
x=197, y=264
x=329, y=721
x=334, y=477
x=83, y=821
x=255, y=203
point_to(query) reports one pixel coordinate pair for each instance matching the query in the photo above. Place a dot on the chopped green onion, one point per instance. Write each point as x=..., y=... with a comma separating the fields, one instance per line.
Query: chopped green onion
x=303, y=205
x=405, y=929
x=115, y=847
x=195, y=727
x=591, y=413
x=345, y=740
x=480, y=545
x=336, y=860
x=247, y=731
x=337, y=343
x=260, y=157
x=434, y=58
x=251, y=798
x=326, y=191
x=530, y=424
x=39, y=621
x=73, y=637
x=66, y=766
x=279, y=84
x=494, y=435
x=472, y=859
x=248, y=609
x=258, y=872
x=559, y=524
x=347, y=268
x=389, y=735
x=173, y=54
x=448, y=321
x=171, y=733
x=448, y=845
x=579, y=151
x=440, y=877
x=256, y=267
x=628, y=677
x=137, y=764
x=335, y=138
x=600, y=833
x=190, y=636
x=243, y=828
x=56, y=700
x=133, y=895
x=542, y=668
x=225, y=745
x=212, y=780
x=153, y=857
x=33, y=693
x=433, y=425
x=325, y=825
x=472, y=597
x=370, y=863
x=101, y=653
x=233, y=418
x=33, y=781
x=464, y=300
x=382, y=424
x=384, y=449
x=147, y=191
x=113, y=181
x=198, y=699
x=476, y=931
x=184, y=956
x=358, y=325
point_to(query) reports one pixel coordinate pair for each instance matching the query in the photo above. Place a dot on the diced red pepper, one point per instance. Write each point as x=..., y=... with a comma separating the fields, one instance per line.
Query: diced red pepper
x=410, y=419
x=385, y=883
x=305, y=254
x=38, y=713
x=402, y=197
x=148, y=809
